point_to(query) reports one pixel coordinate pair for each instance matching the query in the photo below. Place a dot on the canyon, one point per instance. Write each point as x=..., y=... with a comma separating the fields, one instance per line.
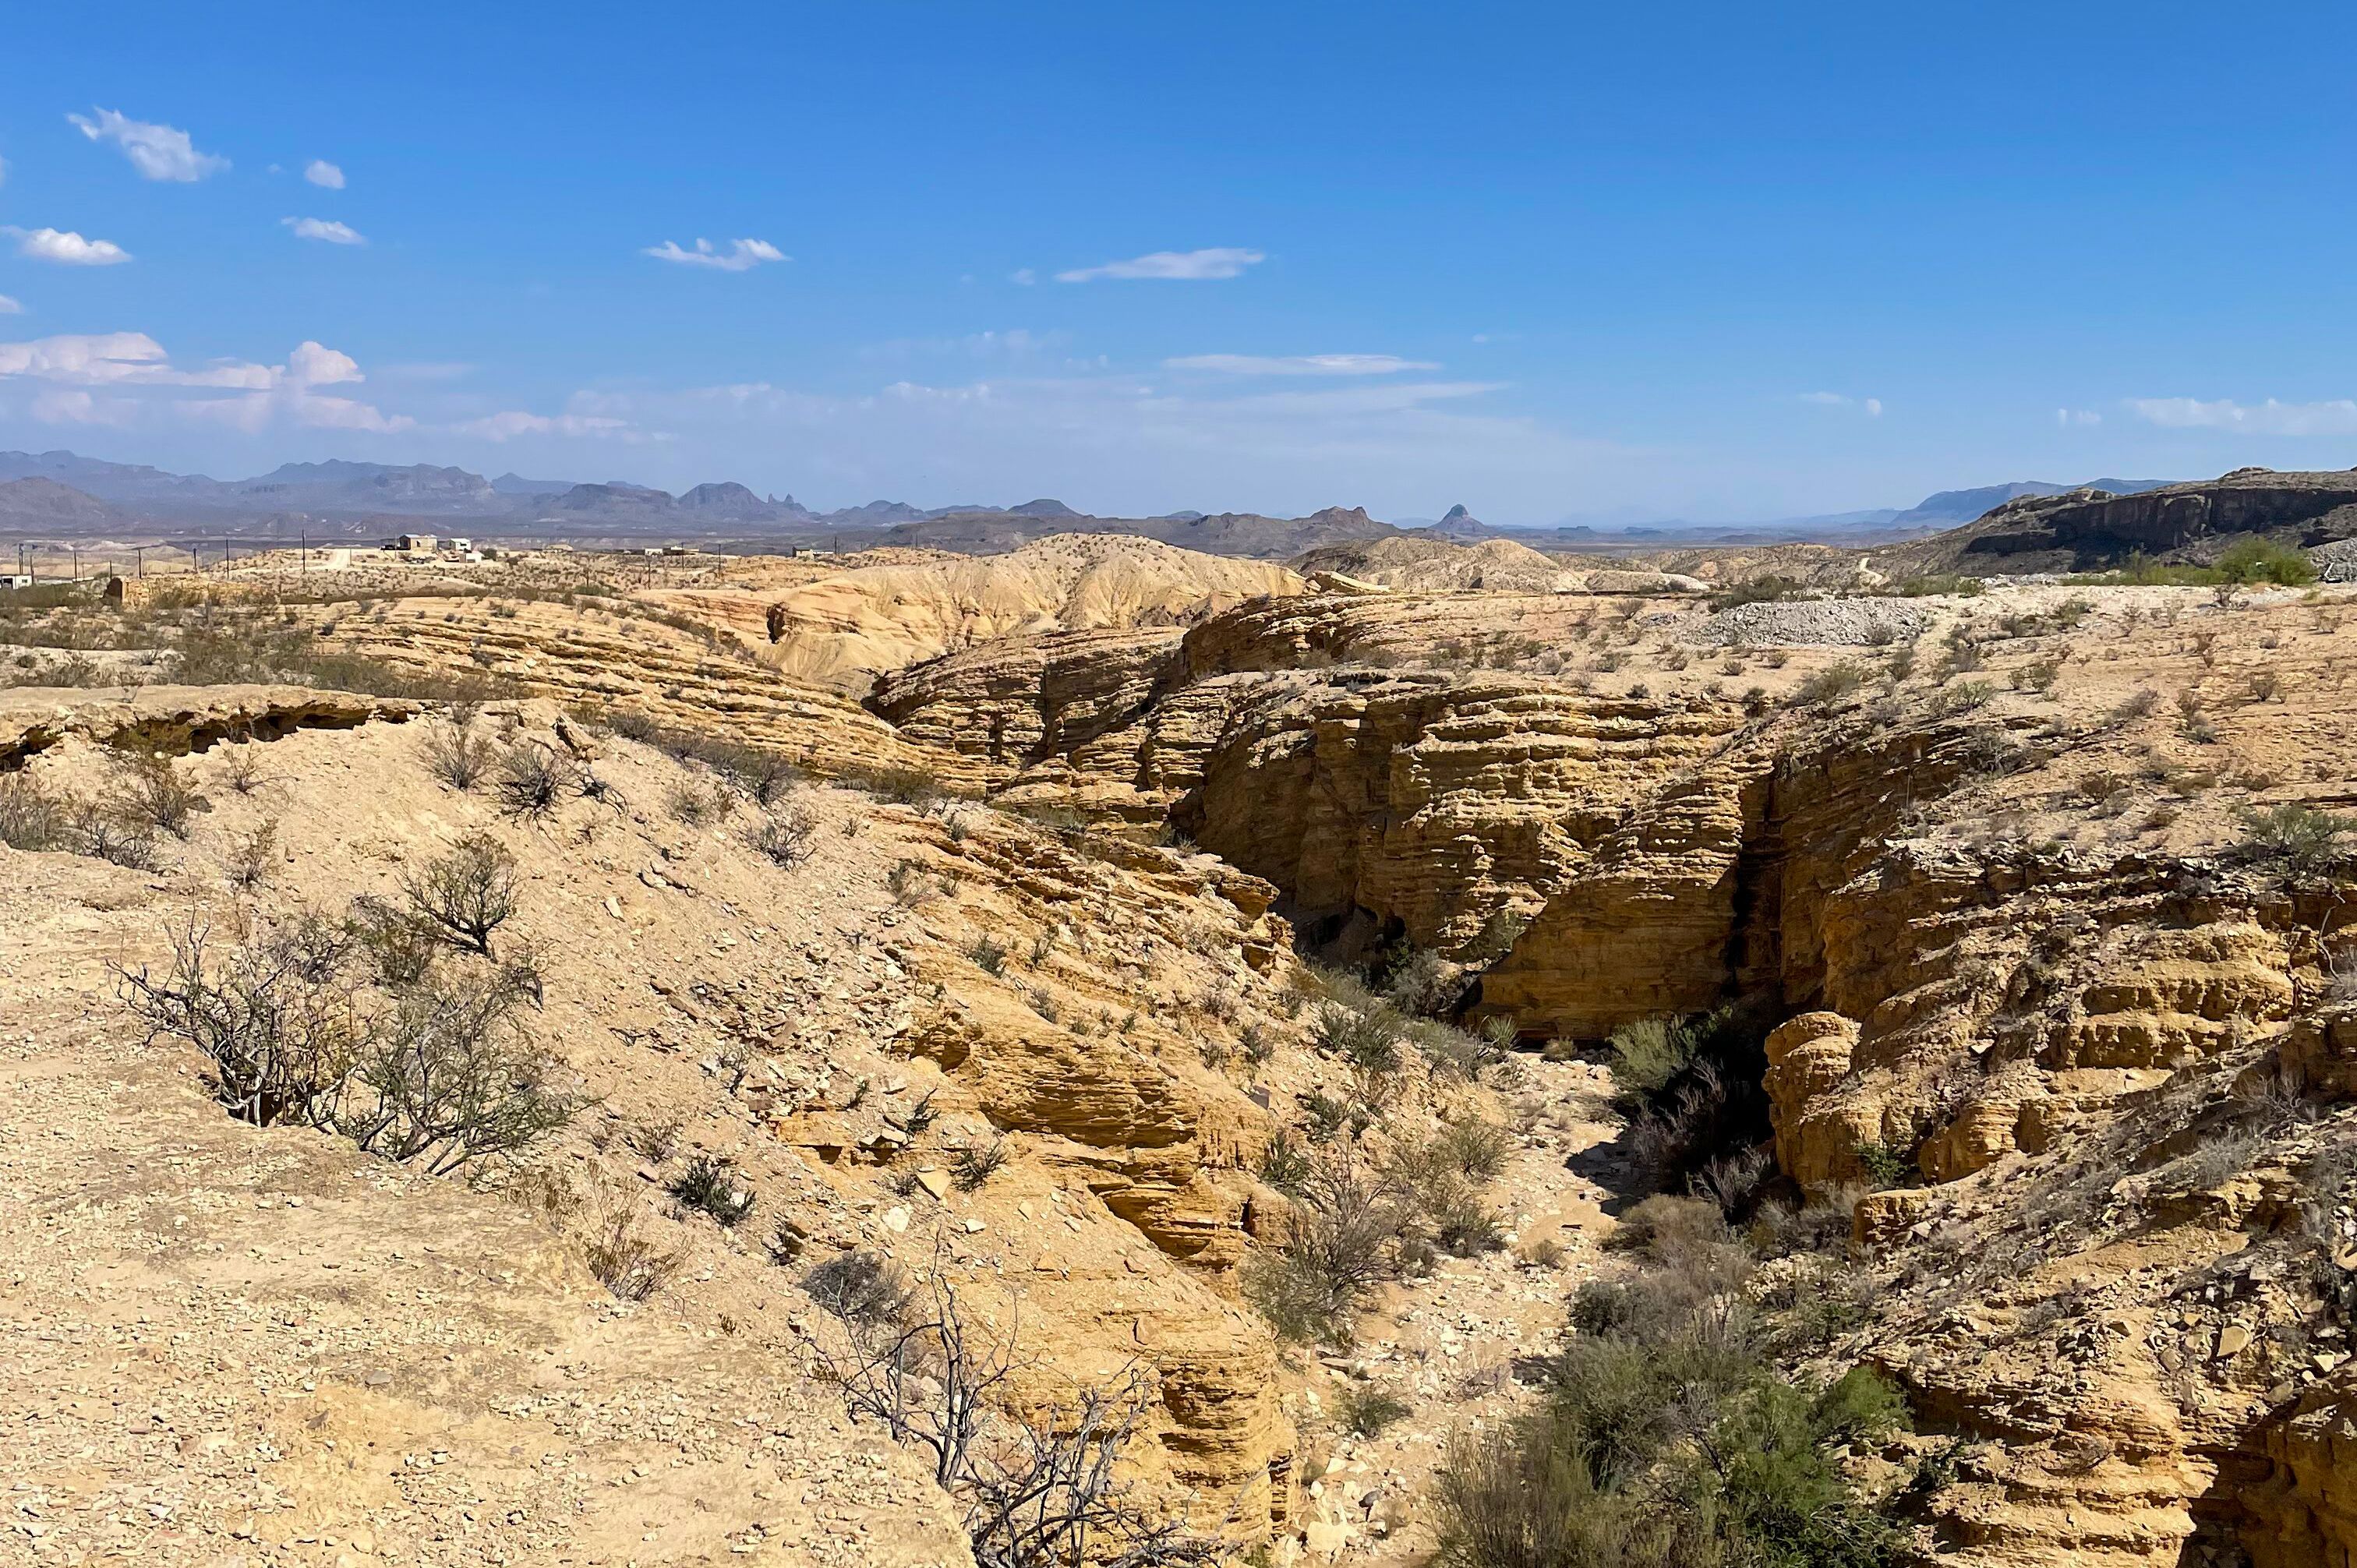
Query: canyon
x=2044, y=1011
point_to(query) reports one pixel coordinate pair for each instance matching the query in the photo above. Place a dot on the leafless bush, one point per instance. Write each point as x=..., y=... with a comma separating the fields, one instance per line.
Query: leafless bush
x=151, y=791
x=1354, y=1228
x=1040, y=1490
x=31, y=818
x=457, y=754
x=275, y=1019
x=253, y=856
x=467, y=894
x=241, y=766
x=785, y=832
x=627, y=1261
x=533, y=776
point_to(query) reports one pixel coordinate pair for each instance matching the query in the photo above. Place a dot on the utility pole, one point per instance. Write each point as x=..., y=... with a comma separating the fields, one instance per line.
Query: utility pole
x=139, y=560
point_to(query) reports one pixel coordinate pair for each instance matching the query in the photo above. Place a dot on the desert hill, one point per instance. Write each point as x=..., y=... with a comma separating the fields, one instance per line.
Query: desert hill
x=846, y=629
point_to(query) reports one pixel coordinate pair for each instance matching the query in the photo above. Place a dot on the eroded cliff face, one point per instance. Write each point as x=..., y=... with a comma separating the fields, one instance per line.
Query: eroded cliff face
x=2012, y=933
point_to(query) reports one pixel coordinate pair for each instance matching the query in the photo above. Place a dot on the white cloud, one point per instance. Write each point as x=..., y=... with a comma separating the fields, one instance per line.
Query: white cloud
x=742, y=256
x=2067, y=417
x=9, y=306
x=2336, y=417
x=157, y=152
x=122, y=377
x=1024, y=275
x=1869, y=406
x=1184, y=266
x=511, y=423
x=65, y=247
x=1300, y=364
x=323, y=173
x=326, y=228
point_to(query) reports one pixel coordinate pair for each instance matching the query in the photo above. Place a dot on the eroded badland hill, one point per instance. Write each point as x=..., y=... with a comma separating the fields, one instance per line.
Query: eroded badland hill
x=1443, y=1051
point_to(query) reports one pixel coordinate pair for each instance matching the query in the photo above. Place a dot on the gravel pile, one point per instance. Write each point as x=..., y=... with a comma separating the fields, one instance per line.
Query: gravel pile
x=1820, y=623
x=2337, y=561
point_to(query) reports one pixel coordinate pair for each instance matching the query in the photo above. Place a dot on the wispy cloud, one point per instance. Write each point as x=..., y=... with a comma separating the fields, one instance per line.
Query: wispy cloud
x=324, y=229
x=1026, y=277
x=323, y=173
x=1300, y=364
x=1183, y=266
x=512, y=423
x=2068, y=417
x=1869, y=406
x=65, y=247
x=157, y=152
x=742, y=256
x=1014, y=343
x=2336, y=416
x=124, y=378
x=9, y=306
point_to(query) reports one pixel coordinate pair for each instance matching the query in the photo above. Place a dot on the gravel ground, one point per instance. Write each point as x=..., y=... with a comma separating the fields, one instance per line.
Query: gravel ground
x=1825, y=623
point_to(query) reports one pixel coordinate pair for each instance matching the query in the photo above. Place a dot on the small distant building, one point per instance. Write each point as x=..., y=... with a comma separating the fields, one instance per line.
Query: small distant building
x=16, y=579
x=416, y=544
x=461, y=545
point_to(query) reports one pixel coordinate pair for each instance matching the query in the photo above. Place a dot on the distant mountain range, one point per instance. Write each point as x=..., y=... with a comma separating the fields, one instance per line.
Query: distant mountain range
x=64, y=492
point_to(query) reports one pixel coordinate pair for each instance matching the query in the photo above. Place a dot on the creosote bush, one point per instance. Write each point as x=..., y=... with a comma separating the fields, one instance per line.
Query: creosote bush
x=151, y=791
x=785, y=832
x=467, y=894
x=2295, y=839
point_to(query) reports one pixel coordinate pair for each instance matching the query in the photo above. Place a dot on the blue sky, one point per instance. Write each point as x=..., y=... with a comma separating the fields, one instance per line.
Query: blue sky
x=1703, y=261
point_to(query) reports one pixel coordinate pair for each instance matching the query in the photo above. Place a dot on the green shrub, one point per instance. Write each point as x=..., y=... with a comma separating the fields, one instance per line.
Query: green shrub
x=2259, y=560
x=1831, y=684
x=1669, y=1440
x=711, y=1186
x=1365, y=1412
x=2296, y=839
x=1757, y=590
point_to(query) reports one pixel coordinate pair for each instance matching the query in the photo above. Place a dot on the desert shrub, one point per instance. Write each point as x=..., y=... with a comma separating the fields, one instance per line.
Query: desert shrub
x=690, y=801
x=457, y=754
x=112, y=836
x=785, y=832
x=1941, y=583
x=1283, y=1165
x=1668, y=1438
x=972, y=1165
x=533, y=776
x=253, y=856
x=2294, y=839
x=1365, y=1412
x=711, y=1186
x=989, y=954
x=2259, y=560
x=398, y=945
x=467, y=894
x=448, y=1078
x=1692, y=1090
x=629, y=1261
x=275, y=1017
x=149, y=789
x=1886, y=1166
x=1762, y=589
x=1647, y=1054
x=241, y=766
x=1353, y=1227
x=1366, y=1036
x=32, y=818
x=860, y=1287
x=1831, y=684
x=1963, y=697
